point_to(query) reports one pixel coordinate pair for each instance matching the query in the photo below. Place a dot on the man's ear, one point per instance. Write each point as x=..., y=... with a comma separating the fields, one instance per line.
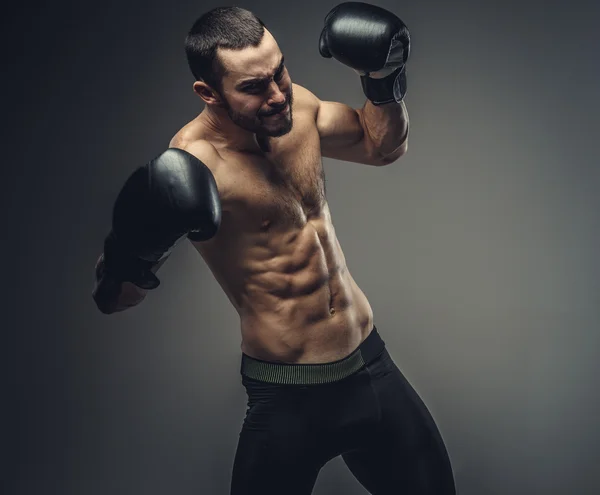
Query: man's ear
x=206, y=93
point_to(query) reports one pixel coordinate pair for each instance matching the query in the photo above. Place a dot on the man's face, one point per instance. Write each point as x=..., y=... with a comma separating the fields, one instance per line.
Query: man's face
x=257, y=89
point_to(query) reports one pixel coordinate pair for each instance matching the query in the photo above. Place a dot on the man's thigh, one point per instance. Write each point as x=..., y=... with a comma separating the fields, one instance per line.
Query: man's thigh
x=406, y=453
x=278, y=449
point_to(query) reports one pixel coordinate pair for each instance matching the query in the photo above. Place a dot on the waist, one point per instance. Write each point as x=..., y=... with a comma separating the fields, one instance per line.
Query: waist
x=318, y=373
x=305, y=338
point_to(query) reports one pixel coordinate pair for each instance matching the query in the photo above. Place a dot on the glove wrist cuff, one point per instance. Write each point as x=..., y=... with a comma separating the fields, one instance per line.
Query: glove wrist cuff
x=389, y=89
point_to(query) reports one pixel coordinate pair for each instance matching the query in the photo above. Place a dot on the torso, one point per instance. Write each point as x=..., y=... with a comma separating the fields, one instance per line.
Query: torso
x=276, y=254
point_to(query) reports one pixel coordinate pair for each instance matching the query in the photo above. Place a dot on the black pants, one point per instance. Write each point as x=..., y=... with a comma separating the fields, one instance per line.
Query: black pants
x=301, y=416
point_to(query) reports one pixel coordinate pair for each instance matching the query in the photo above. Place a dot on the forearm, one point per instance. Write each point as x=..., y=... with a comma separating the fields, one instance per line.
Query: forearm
x=387, y=127
x=111, y=295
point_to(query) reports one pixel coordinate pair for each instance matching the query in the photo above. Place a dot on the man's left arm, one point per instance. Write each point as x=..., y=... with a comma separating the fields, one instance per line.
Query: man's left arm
x=376, y=44
x=371, y=135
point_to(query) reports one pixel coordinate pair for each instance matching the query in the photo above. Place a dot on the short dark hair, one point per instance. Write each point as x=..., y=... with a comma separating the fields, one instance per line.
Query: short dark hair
x=232, y=28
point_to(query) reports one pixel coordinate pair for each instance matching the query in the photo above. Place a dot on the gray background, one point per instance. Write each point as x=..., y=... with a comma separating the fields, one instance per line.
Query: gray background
x=477, y=249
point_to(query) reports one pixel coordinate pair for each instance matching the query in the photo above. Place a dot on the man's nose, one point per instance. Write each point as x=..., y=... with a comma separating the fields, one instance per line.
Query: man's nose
x=276, y=97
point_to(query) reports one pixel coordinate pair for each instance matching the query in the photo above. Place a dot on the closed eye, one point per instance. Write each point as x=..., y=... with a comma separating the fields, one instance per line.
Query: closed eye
x=257, y=87
x=254, y=88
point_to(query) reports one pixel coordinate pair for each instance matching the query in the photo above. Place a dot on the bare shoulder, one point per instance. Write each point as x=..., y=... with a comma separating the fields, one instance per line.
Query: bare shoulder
x=304, y=99
x=202, y=149
x=205, y=151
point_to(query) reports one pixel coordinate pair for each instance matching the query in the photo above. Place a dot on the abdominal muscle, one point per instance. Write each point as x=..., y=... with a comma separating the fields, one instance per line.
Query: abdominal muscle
x=296, y=299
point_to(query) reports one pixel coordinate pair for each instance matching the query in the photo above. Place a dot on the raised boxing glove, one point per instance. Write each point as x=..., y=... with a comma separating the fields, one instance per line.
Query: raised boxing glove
x=372, y=41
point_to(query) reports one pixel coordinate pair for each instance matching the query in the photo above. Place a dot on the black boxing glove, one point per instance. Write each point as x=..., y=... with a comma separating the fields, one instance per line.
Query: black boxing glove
x=172, y=196
x=372, y=41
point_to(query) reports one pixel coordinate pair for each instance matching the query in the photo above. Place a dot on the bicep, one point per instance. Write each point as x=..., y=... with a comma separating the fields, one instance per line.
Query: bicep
x=343, y=135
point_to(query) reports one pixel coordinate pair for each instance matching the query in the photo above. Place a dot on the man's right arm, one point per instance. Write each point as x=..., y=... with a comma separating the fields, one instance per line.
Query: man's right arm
x=172, y=196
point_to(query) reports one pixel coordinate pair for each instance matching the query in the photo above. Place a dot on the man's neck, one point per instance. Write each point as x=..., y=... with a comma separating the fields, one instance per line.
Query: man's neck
x=228, y=133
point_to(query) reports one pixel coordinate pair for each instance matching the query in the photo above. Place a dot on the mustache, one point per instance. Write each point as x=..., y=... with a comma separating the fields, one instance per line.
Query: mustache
x=275, y=110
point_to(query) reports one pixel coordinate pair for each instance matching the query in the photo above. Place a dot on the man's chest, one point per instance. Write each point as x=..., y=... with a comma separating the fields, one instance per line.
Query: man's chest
x=285, y=185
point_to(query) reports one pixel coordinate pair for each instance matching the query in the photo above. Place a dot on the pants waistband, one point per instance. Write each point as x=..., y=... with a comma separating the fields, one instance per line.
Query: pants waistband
x=312, y=374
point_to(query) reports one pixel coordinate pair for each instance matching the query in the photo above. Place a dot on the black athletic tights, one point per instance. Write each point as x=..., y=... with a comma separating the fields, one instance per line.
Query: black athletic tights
x=301, y=416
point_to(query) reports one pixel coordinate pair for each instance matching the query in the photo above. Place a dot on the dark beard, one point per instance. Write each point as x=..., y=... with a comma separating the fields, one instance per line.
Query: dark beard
x=255, y=124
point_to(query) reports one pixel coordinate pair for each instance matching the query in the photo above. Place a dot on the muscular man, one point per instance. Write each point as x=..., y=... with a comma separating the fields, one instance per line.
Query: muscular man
x=244, y=182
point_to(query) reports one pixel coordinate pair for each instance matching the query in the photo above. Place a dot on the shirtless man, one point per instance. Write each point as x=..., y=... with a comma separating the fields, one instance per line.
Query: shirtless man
x=244, y=182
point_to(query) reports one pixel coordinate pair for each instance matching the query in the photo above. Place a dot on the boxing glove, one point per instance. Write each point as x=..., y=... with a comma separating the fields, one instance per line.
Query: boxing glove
x=372, y=41
x=172, y=196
